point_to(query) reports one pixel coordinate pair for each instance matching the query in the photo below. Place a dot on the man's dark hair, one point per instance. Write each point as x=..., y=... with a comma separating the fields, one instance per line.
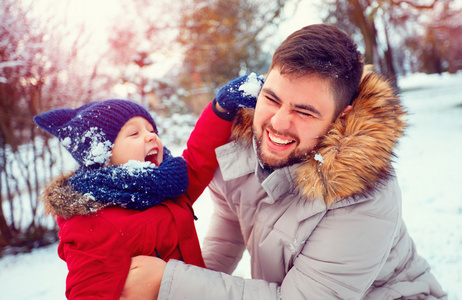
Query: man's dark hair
x=326, y=52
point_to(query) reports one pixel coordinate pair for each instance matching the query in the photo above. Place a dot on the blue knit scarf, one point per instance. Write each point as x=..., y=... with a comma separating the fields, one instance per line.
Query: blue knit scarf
x=134, y=187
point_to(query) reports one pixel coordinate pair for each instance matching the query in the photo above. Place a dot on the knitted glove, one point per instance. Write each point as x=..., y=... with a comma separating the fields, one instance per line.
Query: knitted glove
x=240, y=92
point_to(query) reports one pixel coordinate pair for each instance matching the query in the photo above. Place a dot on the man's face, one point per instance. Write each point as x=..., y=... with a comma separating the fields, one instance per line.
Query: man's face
x=290, y=117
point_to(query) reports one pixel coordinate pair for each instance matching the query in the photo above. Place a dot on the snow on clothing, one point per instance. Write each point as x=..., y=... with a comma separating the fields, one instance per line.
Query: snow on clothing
x=327, y=228
x=89, y=131
x=134, y=185
x=98, y=246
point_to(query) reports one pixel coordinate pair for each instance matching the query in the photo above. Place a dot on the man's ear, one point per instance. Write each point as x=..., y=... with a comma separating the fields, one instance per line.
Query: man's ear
x=346, y=111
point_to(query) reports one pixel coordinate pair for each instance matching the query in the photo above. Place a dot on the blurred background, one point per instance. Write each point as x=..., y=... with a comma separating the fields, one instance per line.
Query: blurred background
x=171, y=57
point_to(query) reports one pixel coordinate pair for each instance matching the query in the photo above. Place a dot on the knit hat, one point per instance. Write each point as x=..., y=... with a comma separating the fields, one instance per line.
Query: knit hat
x=89, y=132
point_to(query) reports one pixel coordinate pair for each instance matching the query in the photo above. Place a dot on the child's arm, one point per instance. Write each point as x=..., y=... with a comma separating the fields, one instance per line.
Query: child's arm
x=209, y=133
x=213, y=129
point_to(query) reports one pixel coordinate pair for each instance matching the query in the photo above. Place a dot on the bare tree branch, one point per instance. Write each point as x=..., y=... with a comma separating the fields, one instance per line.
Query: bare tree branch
x=417, y=6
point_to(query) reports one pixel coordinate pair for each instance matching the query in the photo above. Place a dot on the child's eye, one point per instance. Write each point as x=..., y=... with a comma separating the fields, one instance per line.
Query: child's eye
x=133, y=133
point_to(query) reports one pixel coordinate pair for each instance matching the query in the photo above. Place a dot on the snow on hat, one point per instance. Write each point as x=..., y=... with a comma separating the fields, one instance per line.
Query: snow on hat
x=89, y=132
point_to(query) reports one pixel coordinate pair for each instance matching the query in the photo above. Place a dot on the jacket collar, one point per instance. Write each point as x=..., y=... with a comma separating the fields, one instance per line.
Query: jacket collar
x=236, y=161
x=357, y=151
x=60, y=199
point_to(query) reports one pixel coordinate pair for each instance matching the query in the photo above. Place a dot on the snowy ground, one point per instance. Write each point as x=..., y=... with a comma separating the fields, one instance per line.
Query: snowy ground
x=429, y=168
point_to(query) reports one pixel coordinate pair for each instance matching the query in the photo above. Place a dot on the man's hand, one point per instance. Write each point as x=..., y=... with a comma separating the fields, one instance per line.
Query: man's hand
x=240, y=92
x=144, y=278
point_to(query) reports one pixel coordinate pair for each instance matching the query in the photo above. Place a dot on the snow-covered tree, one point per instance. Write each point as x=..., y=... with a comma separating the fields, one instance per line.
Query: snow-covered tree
x=386, y=28
x=39, y=71
x=141, y=50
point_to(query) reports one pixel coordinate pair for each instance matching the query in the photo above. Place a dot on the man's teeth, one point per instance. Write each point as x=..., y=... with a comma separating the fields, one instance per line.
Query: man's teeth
x=277, y=140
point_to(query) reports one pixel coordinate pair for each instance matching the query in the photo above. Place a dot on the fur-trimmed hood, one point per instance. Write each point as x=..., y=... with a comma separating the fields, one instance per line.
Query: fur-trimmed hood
x=357, y=151
x=60, y=199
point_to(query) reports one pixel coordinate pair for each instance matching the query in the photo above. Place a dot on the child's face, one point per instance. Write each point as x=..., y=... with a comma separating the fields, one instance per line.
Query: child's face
x=137, y=140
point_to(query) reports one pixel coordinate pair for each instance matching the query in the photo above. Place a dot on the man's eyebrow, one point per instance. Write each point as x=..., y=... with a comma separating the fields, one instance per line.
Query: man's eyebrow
x=309, y=108
x=271, y=93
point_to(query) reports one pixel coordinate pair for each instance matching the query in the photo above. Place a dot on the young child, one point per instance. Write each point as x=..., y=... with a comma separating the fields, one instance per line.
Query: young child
x=129, y=196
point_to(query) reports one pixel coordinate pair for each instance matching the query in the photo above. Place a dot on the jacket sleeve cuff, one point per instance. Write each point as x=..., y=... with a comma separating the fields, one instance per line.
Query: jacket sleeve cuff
x=227, y=116
x=167, y=278
x=182, y=281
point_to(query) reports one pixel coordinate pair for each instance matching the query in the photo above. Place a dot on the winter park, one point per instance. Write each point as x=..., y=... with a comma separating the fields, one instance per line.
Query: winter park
x=428, y=165
x=172, y=59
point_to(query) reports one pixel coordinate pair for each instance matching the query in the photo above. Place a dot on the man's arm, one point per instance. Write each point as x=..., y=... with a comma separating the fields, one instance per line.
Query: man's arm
x=340, y=260
x=224, y=244
x=336, y=263
x=310, y=278
x=206, y=284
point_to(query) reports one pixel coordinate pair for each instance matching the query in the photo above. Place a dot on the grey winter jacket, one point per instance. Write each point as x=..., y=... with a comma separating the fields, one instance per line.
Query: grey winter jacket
x=329, y=229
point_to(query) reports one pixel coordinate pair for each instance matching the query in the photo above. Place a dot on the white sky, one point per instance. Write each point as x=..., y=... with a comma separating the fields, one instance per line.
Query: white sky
x=98, y=15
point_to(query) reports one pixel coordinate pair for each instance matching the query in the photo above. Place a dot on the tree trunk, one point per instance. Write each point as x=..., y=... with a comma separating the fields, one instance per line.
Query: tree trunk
x=5, y=231
x=368, y=31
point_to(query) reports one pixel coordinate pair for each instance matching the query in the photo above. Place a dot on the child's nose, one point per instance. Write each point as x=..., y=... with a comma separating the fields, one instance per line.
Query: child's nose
x=150, y=136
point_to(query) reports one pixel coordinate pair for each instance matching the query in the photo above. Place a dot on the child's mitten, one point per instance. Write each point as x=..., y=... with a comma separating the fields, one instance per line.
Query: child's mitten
x=240, y=92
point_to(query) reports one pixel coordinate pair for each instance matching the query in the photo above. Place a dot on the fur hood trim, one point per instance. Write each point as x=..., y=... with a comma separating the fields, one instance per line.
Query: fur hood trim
x=354, y=158
x=60, y=199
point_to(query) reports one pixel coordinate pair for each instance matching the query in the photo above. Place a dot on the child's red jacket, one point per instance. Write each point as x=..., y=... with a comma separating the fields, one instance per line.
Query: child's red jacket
x=98, y=247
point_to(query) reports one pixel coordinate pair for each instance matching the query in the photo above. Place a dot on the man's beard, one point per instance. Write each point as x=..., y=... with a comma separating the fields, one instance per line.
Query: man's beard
x=273, y=163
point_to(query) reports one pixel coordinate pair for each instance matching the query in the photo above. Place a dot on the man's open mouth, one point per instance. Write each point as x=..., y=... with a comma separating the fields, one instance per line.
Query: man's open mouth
x=278, y=140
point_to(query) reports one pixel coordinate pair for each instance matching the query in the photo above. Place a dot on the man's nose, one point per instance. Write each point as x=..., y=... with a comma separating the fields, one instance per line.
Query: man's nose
x=281, y=120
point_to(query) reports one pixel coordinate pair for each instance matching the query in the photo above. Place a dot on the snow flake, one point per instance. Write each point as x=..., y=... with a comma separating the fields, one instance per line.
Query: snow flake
x=100, y=148
x=252, y=86
x=66, y=142
x=89, y=195
x=293, y=246
x=319, y=158
x=296, y=246
x=135, y=167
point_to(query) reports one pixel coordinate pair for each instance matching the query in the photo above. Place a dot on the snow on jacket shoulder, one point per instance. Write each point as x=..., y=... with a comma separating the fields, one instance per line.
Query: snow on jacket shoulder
x=330, y=230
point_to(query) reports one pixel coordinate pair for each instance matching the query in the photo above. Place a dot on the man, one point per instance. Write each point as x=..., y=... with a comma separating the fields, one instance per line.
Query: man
x=307, y=187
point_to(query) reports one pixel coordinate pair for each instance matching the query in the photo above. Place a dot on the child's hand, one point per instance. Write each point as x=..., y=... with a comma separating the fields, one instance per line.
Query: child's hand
x=240, y=92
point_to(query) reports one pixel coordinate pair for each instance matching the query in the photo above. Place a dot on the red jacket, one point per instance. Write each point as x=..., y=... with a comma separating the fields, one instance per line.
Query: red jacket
x=98, y=247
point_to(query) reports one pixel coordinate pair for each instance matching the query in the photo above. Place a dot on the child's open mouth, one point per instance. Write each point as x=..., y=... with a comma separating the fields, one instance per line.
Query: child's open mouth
x=152, y=157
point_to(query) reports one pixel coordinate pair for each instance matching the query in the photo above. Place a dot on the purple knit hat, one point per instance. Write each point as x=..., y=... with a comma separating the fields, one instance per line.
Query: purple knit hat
x=89, y=132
